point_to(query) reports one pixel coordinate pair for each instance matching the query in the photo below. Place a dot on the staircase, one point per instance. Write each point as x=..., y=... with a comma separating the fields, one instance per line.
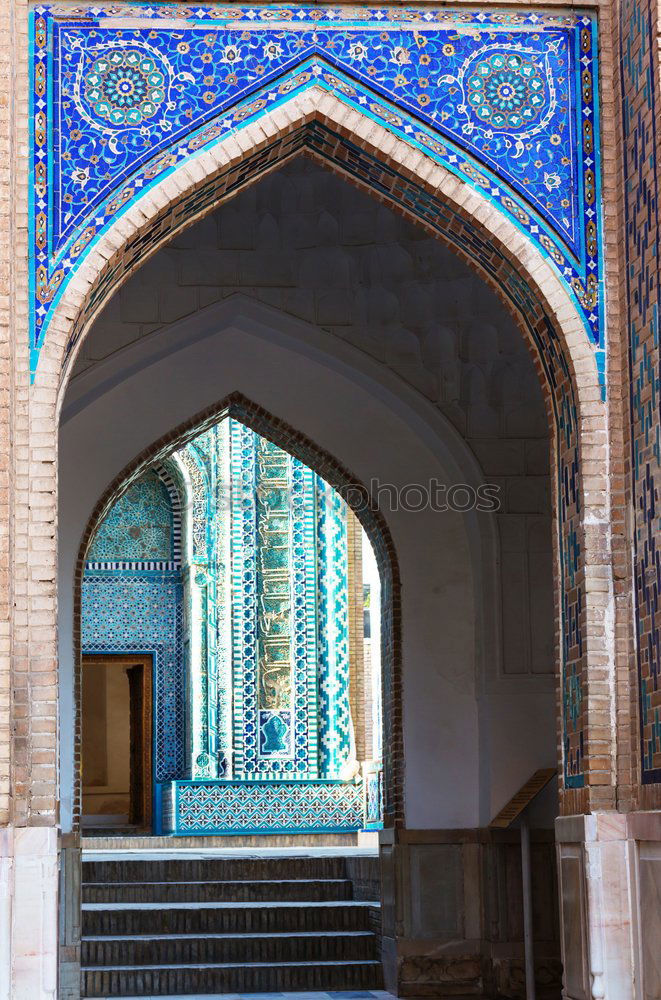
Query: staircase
x=158, y=927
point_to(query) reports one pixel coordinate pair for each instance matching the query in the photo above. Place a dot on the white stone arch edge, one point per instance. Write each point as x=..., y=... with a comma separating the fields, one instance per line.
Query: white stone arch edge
x=318, y=104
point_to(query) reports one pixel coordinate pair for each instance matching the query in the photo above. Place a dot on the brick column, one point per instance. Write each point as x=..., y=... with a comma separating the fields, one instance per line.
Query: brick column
x=28, y=750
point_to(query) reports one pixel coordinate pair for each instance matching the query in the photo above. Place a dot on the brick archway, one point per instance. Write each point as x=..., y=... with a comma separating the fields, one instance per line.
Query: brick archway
x=321, y=126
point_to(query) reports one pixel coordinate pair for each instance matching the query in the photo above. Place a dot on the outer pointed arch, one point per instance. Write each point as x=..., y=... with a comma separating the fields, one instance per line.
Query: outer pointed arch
x=402, y=176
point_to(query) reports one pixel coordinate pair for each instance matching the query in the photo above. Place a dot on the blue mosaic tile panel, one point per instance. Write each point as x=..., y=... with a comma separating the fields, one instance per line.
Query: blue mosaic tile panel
x=139, y=612
x=138, y=528
x=335, y=744
x=229, y=807
x=641, y=192
x=374, y=799
x=274, y=609
x=506, y=100
x=244, y=593
x=199, y=577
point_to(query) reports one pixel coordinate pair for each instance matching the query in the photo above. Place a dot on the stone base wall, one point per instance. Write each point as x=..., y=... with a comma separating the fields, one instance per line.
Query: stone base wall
x=610, y=889
x=452, y=910
x=28, y=913
x=69, y=919
x=452, y=913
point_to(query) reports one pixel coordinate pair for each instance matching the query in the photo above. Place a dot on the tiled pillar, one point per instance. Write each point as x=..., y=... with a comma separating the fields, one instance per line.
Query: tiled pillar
x=360, y=706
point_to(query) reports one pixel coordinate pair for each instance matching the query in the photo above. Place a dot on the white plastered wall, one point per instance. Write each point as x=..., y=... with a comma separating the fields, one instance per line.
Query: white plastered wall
x=375, y=341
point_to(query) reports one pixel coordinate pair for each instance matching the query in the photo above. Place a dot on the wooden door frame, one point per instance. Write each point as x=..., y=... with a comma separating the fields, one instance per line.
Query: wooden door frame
x=146, y=661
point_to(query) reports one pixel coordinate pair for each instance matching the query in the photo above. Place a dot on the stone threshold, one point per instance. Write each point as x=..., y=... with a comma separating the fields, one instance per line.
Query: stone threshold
x=227, y=937
x=296, y=842
x=309, y=995
x=165, y=850
x=228, y=965
x=261, y=905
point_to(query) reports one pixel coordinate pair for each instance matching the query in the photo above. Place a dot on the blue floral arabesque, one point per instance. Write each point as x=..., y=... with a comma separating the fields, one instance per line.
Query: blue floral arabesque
x=508, y=91
x=506, y=100
x=124, y=87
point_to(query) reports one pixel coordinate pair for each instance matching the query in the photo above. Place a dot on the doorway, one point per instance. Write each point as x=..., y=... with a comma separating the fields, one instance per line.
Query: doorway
x=117, y=741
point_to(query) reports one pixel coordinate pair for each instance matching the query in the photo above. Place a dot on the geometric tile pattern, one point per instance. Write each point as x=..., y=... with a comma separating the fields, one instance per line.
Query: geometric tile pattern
x=274, y=609
x=262, y=807
x=374, y=799
x=641, y=192
x=333, y=610
x=175, y=493
x=141, y=612
x=131, y=602
x=139, y=526
x=288, y=655
x=504, y=99
x=286, y=587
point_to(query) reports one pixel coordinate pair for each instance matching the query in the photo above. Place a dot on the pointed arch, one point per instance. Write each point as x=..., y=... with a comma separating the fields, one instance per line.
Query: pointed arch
x=320, y=125
x=356, y=496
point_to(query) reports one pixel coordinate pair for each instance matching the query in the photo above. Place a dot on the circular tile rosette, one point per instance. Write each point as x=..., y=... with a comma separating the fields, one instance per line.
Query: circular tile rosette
x=508, y=92
x=124, y=87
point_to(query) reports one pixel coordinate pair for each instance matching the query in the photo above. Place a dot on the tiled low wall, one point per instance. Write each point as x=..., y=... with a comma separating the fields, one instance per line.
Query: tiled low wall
x=203, y=807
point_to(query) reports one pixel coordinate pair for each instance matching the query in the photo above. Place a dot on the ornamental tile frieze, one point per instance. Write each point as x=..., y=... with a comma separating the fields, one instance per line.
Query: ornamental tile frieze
x=505, y=100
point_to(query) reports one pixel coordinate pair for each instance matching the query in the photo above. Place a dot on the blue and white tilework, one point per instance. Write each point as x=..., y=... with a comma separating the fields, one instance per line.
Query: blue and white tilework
x=141, y=528
x=336, y=738
x=131, y=602
x=263, y=807
x=278, y=626
x=642, y=246
x=265, y=559
x=505, y=99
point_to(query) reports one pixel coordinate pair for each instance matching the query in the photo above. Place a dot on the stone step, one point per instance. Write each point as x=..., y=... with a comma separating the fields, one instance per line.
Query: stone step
x=114, y=839
x=256, y=977
x=189, y=949
x=228, y=891
x=237, y=918
x=210, y=869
